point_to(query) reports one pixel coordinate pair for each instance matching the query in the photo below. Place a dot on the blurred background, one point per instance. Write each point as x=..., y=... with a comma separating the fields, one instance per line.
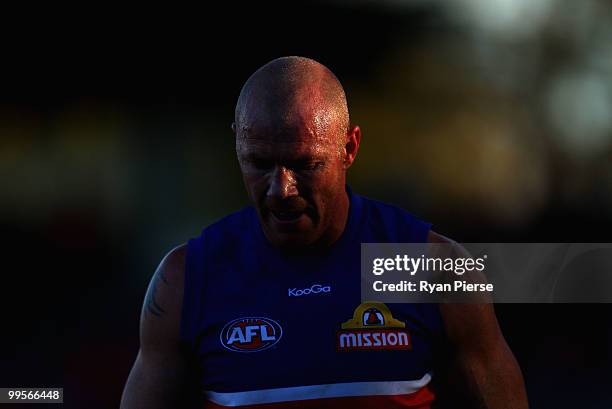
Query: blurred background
x=491, y=119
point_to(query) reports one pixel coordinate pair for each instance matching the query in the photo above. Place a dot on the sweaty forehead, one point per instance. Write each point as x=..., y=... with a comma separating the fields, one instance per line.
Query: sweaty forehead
x=304, y=114
x=283, y=142
x=286, y=127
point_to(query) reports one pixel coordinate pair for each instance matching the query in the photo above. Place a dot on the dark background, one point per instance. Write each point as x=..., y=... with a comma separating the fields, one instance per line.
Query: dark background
x=491, y=119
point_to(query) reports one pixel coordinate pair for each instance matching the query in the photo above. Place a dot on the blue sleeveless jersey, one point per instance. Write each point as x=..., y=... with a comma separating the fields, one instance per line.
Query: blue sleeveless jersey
x=273, y=330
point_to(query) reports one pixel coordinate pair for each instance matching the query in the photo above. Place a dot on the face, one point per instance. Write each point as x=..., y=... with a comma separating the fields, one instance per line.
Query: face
x=295, y=176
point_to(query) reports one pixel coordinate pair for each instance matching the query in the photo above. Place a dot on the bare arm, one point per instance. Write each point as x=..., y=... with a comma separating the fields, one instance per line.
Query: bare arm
x=484, y=366
x=157, y=376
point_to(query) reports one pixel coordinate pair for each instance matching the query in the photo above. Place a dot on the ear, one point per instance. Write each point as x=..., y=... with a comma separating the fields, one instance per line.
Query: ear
x=234, y=127
x=353, y=139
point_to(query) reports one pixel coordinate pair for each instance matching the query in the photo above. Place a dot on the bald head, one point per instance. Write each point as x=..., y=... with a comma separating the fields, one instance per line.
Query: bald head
x=292, y=92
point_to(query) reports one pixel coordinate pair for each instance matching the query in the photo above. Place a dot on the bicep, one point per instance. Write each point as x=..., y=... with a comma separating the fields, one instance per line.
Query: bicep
x=481, y=360
x=157, y=376
x=479, y=357
x=472, y=329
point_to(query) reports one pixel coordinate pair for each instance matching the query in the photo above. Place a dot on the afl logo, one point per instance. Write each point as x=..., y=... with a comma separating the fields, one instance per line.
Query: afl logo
x=250, y=334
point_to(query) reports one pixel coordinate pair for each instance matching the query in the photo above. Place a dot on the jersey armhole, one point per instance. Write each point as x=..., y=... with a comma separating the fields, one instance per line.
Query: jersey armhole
x=193, y=289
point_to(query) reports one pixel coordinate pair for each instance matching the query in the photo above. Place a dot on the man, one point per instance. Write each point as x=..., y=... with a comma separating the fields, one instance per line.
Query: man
x=265, y=304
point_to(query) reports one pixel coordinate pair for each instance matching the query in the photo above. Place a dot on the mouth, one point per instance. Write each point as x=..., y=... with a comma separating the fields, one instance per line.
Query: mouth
x=287, y=216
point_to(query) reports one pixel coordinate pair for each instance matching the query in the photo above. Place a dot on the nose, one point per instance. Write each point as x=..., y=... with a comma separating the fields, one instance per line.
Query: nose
x=282, y=183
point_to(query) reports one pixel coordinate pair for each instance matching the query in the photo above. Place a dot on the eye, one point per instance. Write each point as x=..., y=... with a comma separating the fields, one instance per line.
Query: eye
x=261, y=164
x=309, y=166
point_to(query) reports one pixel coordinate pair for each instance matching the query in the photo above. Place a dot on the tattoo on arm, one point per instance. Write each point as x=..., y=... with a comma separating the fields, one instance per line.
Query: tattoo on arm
x=151, y=303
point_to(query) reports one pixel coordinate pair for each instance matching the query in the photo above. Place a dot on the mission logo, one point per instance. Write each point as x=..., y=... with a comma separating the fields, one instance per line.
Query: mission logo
x=373, y=328
x=250, y=334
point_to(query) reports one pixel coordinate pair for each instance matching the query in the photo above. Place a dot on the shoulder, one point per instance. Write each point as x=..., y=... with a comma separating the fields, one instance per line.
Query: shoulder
x=437, y=238
x=455, y=249
x=171, y=269
x=161, y=310
x=173, y=263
